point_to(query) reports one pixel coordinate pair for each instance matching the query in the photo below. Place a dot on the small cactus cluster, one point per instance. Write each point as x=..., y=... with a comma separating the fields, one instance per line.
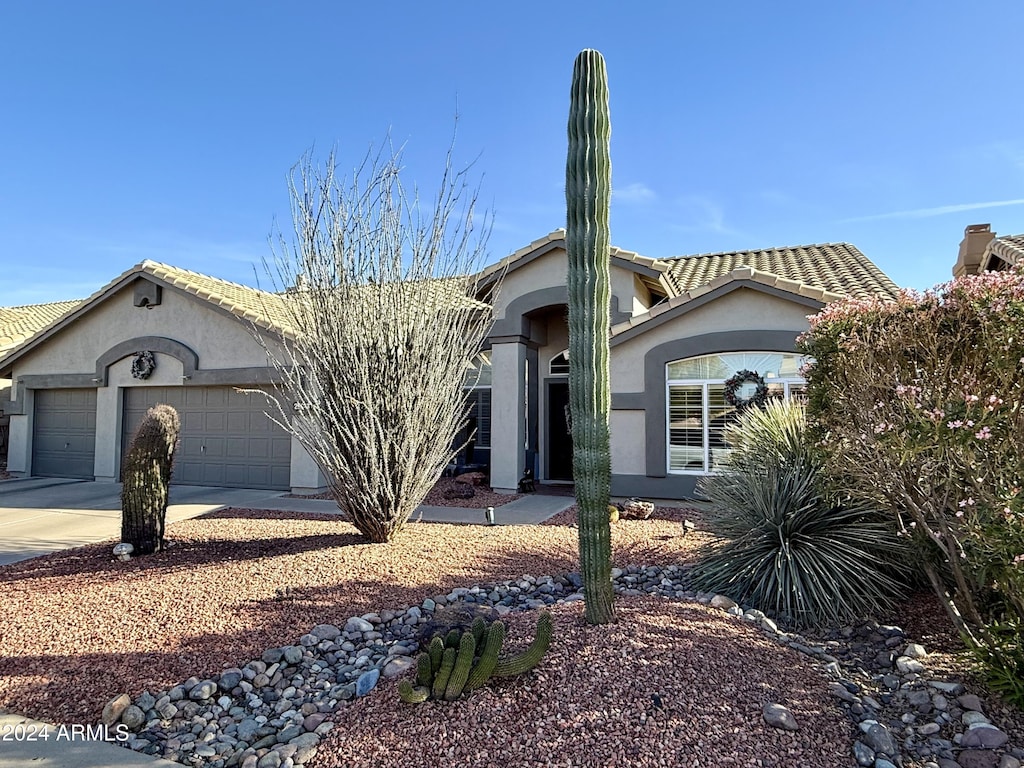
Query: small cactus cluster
x=463, y=661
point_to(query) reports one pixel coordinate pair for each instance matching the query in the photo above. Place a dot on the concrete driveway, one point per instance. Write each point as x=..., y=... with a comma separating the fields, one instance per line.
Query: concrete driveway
x=41, y=515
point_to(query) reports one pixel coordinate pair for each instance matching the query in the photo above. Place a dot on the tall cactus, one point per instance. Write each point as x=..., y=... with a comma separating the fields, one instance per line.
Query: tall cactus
x=146, y=477
x=588, y=171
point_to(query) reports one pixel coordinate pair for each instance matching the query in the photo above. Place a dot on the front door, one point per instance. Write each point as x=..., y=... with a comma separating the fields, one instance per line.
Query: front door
x=559, y=435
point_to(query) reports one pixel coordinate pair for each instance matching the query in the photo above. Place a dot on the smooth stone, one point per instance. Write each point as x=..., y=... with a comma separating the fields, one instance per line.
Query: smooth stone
x=722, y=602
x=778, y=716
x=878, y=737
x=972, y=717
x=203, y=690
x=146, y=701
x=971, y=702
x=907, y=665
x=881, y=762
x=398, y=666
x=929, y=729
x=312, y=722
x=114, y=708
x=229, y=679
x=325, y=631
x=915, y=651
x=367, y=681
x=133, y=717
x=951, y=688
x=1009, y=761
x=863, y=754
x=983, y=735
x=358, y=624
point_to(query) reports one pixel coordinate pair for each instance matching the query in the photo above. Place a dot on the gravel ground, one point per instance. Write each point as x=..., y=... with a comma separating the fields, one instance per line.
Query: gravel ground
x=441, y=496
x=668, y=685
x=81, y=628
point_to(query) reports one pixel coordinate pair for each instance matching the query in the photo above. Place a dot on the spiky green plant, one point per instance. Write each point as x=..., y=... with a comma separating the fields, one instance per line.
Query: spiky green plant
x=786, y=544
x=461, y=670
x=146, y=479
x=588, y=173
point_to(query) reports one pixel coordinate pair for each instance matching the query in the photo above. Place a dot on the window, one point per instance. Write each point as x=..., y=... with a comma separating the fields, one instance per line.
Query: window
x=559, y=364
x=698, y=412
x=477, y=386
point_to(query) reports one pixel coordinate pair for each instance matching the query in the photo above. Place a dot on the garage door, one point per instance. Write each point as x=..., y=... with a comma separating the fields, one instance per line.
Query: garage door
x=64, y=433
x=226, y=439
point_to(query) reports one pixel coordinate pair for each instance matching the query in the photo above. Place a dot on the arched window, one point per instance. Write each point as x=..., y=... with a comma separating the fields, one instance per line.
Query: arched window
x=559, y=364
x=698, y=411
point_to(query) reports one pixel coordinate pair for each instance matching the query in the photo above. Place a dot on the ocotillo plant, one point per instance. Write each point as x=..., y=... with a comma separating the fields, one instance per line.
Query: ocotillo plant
x=588, y=172
x=145, y=477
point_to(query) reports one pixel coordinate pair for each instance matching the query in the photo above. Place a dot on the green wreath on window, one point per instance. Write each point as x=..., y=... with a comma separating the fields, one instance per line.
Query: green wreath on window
x=740, y=394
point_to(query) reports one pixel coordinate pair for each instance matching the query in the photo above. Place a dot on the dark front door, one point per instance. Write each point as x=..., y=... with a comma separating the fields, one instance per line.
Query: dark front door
x=559, y=437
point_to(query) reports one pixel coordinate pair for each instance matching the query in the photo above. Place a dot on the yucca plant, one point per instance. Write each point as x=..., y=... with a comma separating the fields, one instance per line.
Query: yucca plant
x=786, y=544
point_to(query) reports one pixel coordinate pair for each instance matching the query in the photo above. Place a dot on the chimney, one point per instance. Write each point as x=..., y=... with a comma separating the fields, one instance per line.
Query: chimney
x=972, y=248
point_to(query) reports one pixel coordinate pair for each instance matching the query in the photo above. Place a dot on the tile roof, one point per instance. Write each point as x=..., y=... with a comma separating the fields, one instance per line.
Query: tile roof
x=1009, y=248
x=268, y=311
x=836, y=268
x=17, y=324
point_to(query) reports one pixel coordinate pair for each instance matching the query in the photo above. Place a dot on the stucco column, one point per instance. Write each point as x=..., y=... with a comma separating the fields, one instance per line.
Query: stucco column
x=108, y=434
x=508, y=414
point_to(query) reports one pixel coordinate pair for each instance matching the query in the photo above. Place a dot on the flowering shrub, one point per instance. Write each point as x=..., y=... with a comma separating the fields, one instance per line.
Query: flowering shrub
x=918, y=402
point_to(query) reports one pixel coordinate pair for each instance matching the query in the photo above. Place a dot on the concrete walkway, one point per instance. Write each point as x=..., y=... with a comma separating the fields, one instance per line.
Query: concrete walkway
x=28, y=743
x=43, y=515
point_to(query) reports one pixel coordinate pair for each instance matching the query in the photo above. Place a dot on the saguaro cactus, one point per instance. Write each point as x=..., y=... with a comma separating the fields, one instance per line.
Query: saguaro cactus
x=146, y=477
x=588, y=172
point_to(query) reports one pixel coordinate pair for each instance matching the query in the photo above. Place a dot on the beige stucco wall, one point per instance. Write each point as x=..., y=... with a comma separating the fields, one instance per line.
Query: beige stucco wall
x=549, y=271
x=743, y=309
x=220, y=341
x=628, y=442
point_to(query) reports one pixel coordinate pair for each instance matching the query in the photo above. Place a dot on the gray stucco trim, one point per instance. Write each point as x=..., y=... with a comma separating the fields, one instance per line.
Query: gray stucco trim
x=670, y=487
x=58, y=381
x=658, y=357
x=629, y=401
x=700, y=301
x=188, y=358
x=235, y=376
x=516, y=325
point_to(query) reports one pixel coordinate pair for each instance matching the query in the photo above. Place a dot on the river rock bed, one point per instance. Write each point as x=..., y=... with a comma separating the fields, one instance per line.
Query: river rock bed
x=273, y=711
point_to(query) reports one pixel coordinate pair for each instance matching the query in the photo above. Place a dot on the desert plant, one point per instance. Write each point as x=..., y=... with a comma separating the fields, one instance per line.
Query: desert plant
x=919, y=403
x=785, y=543
x=380, y=291
x=446, y=673
x=588, y=244
x=146, y=477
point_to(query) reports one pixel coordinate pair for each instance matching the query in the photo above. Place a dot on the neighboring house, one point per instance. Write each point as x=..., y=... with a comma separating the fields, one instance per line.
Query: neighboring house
x=680, y=328
x=982, y=251
x=17, y=325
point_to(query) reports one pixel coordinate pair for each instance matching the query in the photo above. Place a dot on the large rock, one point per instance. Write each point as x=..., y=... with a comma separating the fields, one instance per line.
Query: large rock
x=358, y=624
x=878, y=737
x=114, y=708
x=133, y=717
x=325, y=631
x=778, y=716
x=983, y=736
x=367, y=681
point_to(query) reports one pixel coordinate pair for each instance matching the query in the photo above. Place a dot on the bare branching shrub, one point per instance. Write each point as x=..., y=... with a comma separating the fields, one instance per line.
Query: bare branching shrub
x=384, y=305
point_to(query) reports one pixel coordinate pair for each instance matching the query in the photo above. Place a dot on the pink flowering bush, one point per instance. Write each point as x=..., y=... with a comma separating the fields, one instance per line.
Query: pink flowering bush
x=917, y=403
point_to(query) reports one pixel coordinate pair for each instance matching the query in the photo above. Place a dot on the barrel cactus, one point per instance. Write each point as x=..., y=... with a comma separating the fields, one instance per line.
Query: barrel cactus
x=476, y=660
x=146, y=478
x=588, y=242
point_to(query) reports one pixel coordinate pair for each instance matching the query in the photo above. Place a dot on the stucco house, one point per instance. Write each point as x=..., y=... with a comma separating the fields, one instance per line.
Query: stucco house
x=680, y=328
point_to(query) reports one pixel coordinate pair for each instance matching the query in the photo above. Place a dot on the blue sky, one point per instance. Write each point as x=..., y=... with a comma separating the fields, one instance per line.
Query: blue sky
x=135, y=130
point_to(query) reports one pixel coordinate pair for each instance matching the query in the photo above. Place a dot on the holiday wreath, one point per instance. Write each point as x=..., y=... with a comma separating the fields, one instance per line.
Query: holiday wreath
x=143, y=365
x=735, y=391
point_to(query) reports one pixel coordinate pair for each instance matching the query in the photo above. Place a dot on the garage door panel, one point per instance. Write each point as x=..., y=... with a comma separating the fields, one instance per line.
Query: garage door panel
x=64, y=433
x=225, y=440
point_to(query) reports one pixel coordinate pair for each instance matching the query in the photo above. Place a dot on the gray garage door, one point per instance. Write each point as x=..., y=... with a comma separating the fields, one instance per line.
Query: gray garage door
x=64, y=433
x=226, y=439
